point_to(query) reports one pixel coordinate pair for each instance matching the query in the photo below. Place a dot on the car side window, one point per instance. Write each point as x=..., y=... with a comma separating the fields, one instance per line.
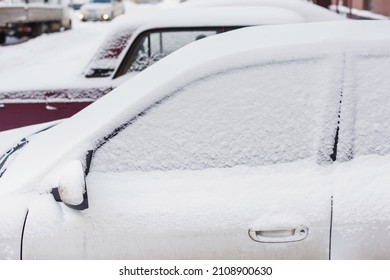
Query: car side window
x=365, y=114
x=256, y=115
x=154, y=45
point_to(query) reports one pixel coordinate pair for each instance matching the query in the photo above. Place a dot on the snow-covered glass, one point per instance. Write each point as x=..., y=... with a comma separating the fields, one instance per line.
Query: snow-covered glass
x=365, y=111
x=106, y=58
x=256, y=115
x=153, y=46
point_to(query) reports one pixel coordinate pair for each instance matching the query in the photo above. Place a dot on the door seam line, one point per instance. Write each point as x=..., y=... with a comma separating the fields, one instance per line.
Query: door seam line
x=331, y=227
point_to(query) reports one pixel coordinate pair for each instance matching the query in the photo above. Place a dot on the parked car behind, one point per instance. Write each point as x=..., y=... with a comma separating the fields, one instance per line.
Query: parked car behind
x=101, y=10
x=266, y=142
x=136, y=41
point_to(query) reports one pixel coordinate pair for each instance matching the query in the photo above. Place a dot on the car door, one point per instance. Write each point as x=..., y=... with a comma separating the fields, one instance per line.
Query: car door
x=230, y=165
x=361, y=227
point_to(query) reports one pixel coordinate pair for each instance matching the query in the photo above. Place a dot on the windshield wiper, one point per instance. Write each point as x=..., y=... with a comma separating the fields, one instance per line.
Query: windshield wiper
x=4, y=158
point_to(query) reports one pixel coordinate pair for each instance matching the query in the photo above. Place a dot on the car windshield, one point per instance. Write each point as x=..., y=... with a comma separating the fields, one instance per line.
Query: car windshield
x=100, y=1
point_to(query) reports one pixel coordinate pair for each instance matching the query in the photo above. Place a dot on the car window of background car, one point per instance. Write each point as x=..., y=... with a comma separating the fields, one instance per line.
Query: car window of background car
x=151, y=47
x=257, y=115
x=365, y=115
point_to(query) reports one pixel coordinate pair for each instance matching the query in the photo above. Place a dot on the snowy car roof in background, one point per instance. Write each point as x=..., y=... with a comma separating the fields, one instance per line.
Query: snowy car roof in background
x=73, y=137
x=309, y=11
x=205, y=16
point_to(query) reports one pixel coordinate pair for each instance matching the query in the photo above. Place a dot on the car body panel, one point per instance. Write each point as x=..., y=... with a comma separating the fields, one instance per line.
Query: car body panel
x=187, y=221
x=361, y=227
x=13, y=211
x=24, y=108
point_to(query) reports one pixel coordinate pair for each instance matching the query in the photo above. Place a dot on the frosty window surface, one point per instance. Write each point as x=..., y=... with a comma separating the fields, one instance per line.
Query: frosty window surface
x=258, y=115
x=367, y=116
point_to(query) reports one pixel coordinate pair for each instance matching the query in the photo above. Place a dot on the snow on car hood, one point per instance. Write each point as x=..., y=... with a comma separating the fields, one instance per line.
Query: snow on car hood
x=10, y=137
x=73, y=138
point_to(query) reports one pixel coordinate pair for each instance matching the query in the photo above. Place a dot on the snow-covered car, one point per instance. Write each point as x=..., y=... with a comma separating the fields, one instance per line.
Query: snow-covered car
x=136, y=41
x=265, y=142
x=101, y=10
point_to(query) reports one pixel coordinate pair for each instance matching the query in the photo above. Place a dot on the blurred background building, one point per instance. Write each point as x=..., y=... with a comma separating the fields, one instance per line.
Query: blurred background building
x=380, y=7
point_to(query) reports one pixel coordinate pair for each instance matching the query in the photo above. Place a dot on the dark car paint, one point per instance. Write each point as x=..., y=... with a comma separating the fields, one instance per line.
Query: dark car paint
x=23, y=108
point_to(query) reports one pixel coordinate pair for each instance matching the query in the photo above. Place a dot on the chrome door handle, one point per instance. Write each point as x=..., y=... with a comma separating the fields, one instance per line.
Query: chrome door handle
x=280, y=235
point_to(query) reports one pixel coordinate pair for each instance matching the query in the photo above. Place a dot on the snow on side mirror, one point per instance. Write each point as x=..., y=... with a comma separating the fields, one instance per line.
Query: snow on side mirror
x=71, y=186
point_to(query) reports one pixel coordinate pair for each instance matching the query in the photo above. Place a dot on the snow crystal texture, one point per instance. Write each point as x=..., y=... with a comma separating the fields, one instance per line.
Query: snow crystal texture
x=365, y=114
x=237, y=117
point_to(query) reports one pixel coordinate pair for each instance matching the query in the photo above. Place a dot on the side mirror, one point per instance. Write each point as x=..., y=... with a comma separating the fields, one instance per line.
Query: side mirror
x=71, y=186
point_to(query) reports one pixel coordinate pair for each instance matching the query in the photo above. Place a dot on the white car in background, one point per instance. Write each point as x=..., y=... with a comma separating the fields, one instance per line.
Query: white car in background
x=260, y=143
x=101, y=10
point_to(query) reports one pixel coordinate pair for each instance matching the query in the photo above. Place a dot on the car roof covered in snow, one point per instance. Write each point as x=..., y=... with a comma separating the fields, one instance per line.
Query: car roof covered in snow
x=205, y=16
x=309, y=11
x=82, y=132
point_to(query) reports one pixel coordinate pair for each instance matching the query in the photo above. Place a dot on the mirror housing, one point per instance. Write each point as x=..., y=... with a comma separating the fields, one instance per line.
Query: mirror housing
x=71, y=186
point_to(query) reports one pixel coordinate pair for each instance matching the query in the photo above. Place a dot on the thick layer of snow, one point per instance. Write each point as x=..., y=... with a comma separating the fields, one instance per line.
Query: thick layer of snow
x=11, y=137
x=309, y=11
x=71, y=184
x=207, y=16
